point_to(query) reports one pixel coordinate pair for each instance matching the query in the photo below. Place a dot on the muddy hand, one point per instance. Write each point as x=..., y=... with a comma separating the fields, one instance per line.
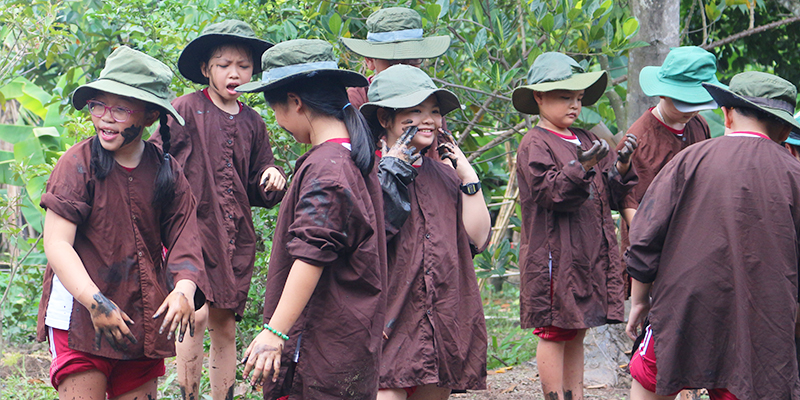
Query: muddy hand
x=624, y=154
x=110, y=323
x=179, y=313
x=591, y=157
x=262, y=357
x=446, y=145
x=401, y=148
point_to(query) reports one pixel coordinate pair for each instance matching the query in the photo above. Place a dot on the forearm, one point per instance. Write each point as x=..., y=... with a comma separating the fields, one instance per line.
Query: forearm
x=623, y=168
x=640, y=292
x=627, y=214
x=300, y=285
x=474, y=213
x=70, y=270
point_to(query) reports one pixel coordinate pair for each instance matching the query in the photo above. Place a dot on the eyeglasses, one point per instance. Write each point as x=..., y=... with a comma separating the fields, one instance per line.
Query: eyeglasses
x=119, y=114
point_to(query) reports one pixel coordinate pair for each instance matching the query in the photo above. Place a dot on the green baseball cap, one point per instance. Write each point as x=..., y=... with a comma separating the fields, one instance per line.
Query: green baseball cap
x=226, y=32
x=680, y=78
x=297, y=59
x=395, y=33
x=404, y=86
x=556, y=71
x=759, y=90
x=133, y=74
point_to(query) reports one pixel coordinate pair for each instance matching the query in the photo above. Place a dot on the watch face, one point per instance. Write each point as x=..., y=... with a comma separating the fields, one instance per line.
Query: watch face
x=471, y=188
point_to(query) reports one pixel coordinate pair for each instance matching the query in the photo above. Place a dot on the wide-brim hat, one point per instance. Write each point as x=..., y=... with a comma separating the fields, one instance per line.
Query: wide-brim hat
x=793, y=139
x=692, y=107
x=289, y=61
x=404, y=86
x=395, y=33
x=226, y=32
x=681, y=76
x=556, y=71
x=759, y=90
x=133, y=74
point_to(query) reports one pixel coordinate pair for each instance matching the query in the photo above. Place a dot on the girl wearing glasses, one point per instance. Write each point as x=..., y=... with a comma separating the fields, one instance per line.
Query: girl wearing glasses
x=110, y=301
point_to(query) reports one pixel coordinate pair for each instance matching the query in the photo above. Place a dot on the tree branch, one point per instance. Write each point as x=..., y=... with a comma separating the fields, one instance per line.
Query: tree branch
x=749, y=32
x=453, y=85
x=494, y=142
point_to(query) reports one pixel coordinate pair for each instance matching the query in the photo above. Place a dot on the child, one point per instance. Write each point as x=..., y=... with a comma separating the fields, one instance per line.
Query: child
x=673, y=124
x=714, y=256
x=225, y=151
x=435, y=335
x=325, y=294
x=394, y=37
x=569, y=260
x=111, y=201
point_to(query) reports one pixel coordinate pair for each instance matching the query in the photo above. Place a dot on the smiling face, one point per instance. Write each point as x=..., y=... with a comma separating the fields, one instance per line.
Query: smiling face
x=227, y=68
x=115, y=136
x=559, y=108
x=425, y=116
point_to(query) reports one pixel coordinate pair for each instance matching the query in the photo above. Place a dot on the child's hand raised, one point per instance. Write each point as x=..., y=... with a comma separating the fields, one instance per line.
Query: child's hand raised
x=624, y=154
x=591, y=157
x=262, y=356
x=180, y=310
x=110, y=322
x=400, y=149
x=447, y=147
x=272, y=180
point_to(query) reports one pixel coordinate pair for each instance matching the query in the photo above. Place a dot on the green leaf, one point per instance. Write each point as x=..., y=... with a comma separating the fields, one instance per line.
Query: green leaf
x=15, y=133
x=7, y=175
x=547, y=23
x=33, y=213
x=29, y=152
x=335, y=23
x=444, y=6
x=433, y=11
x=630, y=27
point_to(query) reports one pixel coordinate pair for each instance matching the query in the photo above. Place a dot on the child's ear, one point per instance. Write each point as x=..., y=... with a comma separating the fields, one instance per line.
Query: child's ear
x=384, y=119
x=294, y=101
x=151, y=117
x=539, y=97
x=369, y=63
x=203, y=69
x=726, y=115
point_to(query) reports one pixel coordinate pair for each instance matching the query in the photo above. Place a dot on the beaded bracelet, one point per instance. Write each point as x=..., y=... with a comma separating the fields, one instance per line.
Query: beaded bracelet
x=276, y=332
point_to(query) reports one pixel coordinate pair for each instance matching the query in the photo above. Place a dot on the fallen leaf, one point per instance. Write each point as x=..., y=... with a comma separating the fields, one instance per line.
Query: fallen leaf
x=603, y=386
x=35, y=381
x=623, y=366
x=509, y=389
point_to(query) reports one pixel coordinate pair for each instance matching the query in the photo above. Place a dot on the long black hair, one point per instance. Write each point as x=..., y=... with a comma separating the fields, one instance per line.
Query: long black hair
x=326, y=96
x=102, y=161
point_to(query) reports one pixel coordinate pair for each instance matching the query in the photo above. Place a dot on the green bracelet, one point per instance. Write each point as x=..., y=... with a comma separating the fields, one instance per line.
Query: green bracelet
x=276, y=332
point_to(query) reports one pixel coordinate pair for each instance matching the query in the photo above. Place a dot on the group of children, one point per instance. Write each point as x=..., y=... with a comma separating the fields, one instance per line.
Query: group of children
x=371, y=291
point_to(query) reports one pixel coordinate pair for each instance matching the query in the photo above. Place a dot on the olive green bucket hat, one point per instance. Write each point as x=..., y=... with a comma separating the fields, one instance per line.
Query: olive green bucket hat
x=556, y=71
x=681, y=78
x=289, y=61
x=226, y=32
x=133, y=74
x=404, y=86
x=759, y=90
x=395, y=33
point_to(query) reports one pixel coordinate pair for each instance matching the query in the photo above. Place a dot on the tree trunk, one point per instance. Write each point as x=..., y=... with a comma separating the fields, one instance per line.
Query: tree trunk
x=792, y=5
x=659, y=26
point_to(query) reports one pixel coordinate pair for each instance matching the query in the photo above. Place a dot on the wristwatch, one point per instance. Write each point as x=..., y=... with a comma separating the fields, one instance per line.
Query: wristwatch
x=471, y=188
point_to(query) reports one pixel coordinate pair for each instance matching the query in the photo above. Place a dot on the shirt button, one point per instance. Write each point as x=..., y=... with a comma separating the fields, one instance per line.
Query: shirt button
x=230, y=117
x=428, y=312
x=140, y=254
x=228, y=165
x=230, y=141
x=427, y=236
x=230, y=216
x=427, y=272
x=232, y=241
x=229, y=190
x=130, y=179
x=134, y=218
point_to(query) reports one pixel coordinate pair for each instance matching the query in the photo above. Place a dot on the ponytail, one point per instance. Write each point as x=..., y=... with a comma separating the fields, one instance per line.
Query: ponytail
x=102, y=160
x=165, y=180
x=327, y=97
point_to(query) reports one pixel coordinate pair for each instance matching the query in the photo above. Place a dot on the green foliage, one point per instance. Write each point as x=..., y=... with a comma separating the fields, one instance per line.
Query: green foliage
x=508, y=343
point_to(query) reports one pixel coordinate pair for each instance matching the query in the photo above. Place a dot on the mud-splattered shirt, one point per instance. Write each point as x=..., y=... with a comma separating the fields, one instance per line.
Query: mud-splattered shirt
x=331, y=217
x=223, y=157
x=434, y=319
x=118, y=238
x=571, y=276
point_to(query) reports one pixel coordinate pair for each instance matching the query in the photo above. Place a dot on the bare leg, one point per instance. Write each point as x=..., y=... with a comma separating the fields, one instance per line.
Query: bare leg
x=190, y=357
x=690, y=394
x=222, y=357
x=392, y=394
x=573, y=367
x=550, y=359
x=640, y=393
x=148, y=391
x=88, y=385
x=430, y=392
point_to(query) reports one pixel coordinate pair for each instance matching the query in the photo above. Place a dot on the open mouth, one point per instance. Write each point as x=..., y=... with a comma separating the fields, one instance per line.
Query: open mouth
x=232, y=88
x=425, y=132
x=107, y=135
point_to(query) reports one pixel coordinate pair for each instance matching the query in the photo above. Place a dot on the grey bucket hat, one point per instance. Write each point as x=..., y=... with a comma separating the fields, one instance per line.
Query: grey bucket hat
x=404, y=86
x=133, y=74
x=556, y=71
x=395, y=33
x=296, y=59
x=759, y=90
x=226, y=32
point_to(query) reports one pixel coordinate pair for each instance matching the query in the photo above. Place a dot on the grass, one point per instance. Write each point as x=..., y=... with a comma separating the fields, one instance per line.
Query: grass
x=508, y=343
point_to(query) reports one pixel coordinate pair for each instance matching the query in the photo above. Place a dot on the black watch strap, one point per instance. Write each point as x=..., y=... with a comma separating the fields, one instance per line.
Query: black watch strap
x=471, y=188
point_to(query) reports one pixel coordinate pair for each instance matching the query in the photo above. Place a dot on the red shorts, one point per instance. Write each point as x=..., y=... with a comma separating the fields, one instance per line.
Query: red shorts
x=122, y=376
x=555, y=334
x=643, y=369
x=409, y=390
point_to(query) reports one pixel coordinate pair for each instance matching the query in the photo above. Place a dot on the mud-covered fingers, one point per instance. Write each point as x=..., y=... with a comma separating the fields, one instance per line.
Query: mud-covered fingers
x=184, y=322
x=191, y=323
x=586, y=155
x=160, y=310
x=258, y=369
x=631, y=138
x=276, y=367
x=169, y=322
x=407, y=136
x=98, y=339
x=447, y=136
x=384, y=147
x=248, y=366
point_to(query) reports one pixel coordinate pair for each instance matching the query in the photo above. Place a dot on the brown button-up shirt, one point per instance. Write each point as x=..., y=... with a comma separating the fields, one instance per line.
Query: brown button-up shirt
x=434, y=319
x=119, y=237
x=718, y=235
x=331, y=217
x=223, y=157
x=568, y=258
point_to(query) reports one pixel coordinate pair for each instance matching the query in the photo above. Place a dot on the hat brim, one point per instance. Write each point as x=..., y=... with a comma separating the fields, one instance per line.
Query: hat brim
x=688, y=92
x=794, y=138
x=593, y=83
x=347, y=78
x=429, y=47
x=726, y=98
x=689, y=107
x=85, y=92
x=447, y=102
x=193, y=55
